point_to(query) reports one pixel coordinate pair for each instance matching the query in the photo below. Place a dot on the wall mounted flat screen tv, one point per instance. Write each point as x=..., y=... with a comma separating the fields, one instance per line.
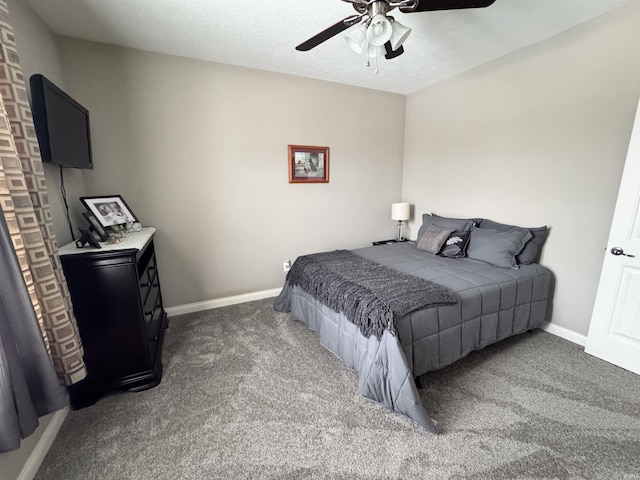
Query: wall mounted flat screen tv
x=62, y=125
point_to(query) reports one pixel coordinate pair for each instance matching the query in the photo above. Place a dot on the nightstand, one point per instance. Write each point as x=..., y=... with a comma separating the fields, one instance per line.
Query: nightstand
x=388, y=242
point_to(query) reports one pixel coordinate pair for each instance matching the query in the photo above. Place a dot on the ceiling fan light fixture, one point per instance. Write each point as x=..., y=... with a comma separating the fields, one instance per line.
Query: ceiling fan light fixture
x=374, y=51
x=357, y=38
x=398, y=35
x=379, y=30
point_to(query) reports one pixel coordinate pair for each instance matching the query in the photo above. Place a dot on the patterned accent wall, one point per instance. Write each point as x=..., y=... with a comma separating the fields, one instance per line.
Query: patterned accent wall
x=25, y=205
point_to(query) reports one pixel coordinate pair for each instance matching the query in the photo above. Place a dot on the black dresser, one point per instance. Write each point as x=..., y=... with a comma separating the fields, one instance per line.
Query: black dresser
x=117, y=302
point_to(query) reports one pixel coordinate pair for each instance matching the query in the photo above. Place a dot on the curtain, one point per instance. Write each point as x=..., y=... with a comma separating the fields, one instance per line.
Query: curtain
x=29, y=386
x=30, y=382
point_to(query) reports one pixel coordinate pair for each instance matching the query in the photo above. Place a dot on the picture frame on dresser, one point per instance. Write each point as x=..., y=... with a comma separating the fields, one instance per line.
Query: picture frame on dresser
x=110, y=210
x=96, y=226
x=87, y=238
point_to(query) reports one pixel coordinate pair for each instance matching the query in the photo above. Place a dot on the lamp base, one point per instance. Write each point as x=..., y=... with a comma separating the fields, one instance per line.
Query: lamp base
x=400, y=231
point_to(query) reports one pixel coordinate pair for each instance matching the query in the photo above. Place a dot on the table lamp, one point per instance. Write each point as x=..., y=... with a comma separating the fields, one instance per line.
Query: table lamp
x=400, y=212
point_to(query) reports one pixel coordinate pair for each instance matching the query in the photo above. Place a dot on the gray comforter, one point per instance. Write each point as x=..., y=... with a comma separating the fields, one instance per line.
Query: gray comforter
x=369, y=294
x=494, y=303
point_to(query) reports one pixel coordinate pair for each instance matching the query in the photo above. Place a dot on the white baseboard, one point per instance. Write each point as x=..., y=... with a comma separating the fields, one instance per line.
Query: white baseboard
x=565, y=333
x=221, y=302
x=34, y=461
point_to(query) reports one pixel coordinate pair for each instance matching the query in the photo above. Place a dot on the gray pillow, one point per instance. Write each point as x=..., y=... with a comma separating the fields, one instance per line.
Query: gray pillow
x=461, y=224
x=433, y=238
x=531, y=251
x=474, y=221
x=496, y=247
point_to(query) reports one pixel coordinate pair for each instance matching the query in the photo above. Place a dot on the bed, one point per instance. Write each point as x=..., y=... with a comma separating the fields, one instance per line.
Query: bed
x=498, y=291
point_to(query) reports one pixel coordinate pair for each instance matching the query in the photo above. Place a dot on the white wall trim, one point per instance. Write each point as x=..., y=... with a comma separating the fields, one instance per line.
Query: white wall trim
x=34, y=461
x=221, y=302
x=564, y=333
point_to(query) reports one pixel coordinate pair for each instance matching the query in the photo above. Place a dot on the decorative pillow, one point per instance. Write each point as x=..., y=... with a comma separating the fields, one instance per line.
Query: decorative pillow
x=456, y=245
x=496, y=247
x=433, y=238
x=531, y=251
x=459, y=224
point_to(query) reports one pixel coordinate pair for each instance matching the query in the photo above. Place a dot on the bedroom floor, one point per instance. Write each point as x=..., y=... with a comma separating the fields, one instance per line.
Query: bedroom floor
x=251, y=393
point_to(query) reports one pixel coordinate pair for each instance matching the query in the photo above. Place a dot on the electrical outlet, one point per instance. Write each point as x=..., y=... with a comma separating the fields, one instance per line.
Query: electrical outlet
x=287, y=265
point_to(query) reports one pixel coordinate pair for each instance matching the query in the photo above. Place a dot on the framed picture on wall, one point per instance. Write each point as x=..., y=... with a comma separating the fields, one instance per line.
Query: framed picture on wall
x=308, y=164
x=110, y=210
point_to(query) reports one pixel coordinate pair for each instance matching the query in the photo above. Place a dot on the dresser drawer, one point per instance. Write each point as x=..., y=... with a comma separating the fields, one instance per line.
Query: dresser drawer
x=154, y=316
x=148, y=277
x=152, y=302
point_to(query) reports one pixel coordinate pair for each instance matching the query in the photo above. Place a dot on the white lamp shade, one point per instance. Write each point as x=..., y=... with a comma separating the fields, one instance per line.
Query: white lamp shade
x=379, y=30
x=398, y=35
x=400, y=211
x=357, y=38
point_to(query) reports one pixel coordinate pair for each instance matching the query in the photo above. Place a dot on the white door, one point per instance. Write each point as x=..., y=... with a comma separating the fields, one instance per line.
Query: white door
x=614, y=333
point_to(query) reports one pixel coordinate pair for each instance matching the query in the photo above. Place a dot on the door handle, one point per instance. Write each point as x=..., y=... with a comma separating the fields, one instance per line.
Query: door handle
x=619, y=251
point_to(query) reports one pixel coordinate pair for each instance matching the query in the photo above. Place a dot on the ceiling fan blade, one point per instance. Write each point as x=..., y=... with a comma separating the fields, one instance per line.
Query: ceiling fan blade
x=431, y=5
x=326, y=34
x=391, y=53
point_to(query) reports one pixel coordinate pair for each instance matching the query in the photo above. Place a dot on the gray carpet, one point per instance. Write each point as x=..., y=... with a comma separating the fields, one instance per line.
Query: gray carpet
x=250, y=393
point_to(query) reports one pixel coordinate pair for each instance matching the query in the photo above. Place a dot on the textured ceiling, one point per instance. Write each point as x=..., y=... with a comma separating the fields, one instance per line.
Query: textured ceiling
x=263, y=34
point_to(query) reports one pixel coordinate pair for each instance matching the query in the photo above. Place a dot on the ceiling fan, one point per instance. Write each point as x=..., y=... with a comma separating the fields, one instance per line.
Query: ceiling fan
x=380, y=34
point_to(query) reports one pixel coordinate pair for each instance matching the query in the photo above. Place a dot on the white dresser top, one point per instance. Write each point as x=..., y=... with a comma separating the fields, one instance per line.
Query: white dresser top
x=135, y=240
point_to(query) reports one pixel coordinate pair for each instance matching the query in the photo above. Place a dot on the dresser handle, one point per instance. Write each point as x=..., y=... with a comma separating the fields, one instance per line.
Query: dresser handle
x=145, y=284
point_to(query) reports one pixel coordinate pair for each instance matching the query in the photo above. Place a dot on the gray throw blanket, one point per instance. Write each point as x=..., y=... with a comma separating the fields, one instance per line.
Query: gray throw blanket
x=370, y=295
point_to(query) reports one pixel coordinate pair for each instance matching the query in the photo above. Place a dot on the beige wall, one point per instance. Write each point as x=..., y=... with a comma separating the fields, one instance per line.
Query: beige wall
x=199, y=150
x=536, y=138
